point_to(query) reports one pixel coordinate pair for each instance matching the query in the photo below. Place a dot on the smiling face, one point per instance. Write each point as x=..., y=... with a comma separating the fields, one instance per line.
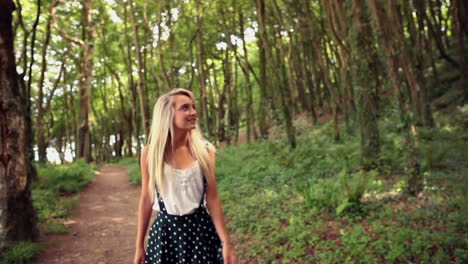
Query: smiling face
x=185, y=115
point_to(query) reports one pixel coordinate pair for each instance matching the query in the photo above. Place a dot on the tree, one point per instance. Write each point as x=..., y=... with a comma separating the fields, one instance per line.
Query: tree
x=18, y=218
x=365, y=80
x=87, y=48
x=140, y=88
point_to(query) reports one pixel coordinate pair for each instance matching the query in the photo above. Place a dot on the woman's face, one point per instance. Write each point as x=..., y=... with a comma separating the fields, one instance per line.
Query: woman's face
x=185, y=115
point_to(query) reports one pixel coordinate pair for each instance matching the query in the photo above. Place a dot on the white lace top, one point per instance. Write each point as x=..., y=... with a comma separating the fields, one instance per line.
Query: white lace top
x=184, y=190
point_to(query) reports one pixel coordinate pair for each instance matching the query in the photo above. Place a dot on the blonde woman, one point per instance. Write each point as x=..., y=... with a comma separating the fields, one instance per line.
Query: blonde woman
x=178, y=181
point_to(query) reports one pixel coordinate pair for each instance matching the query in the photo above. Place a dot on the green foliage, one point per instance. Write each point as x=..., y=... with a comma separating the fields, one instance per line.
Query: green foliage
x=48, y=204
x=353, y=187
x=434, y=155
x=67, y=179
x=290, y=202
x=322, y=195
x=51, y=192
x=55, y=228
x=21, y=253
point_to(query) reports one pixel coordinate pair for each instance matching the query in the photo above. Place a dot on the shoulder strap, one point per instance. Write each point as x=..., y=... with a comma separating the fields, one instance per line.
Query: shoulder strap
x=204, y=191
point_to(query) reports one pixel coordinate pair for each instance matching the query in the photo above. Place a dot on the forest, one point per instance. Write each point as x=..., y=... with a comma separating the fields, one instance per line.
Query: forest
x=341, y=124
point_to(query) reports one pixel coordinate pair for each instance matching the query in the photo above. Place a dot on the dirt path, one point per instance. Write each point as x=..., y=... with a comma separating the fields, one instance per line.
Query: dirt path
x=103, y=229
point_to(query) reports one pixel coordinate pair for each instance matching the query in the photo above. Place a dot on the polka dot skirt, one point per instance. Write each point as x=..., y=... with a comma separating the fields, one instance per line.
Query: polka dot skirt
x=183, y=239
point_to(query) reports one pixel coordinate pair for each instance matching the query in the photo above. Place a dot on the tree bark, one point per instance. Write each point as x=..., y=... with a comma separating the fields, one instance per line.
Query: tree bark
x=262, y=42
x=84, y=150
x=140, y=88
x=250, y=112
x=40, y=127
x=17, y=215
x=364, y=81
x=86, y=75
x=201, y=68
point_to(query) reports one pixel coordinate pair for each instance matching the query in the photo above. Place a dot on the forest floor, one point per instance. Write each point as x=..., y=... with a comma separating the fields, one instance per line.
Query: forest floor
x=102, y=229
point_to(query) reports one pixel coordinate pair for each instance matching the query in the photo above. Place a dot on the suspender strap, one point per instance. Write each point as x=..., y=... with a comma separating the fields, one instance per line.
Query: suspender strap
x=204, y=191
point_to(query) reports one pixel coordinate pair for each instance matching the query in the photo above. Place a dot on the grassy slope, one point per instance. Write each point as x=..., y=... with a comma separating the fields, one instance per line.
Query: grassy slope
x=263, y=186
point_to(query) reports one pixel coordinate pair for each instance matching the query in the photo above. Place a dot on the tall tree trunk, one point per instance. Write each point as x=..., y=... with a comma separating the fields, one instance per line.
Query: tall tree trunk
x=335, y=17
x=40, y=126
x=84, y=150
x=149, y=32
x=309, y=81
x=299, y=77
x=235, y=120
x=140, y=66
x=460, y=8
x=132, y=124
x=322, y=70
x=385, y=38
x=284, y=90
x=250, y=112
x=86, y=75
x=25, y=86
x=364, y=80
x=383, y=29
x=262, y=42
x=201, y=68
x=17, y=215
x=167, y=80
x=68, y=121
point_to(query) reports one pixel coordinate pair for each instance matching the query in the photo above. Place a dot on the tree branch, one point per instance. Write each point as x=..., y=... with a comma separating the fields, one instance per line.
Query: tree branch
x=56, y=26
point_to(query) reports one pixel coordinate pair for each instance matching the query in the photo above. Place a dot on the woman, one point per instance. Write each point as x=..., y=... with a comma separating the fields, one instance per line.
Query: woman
x=178, y=180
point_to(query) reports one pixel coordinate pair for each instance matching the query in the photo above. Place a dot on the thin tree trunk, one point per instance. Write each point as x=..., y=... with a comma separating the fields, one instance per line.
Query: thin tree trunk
x=40, y=126
x=86, y=75
x=364, y=78
x=460, y=8
x=250, y=112
x=150, y=33
x=140, y=88
x=201, y=67
x=160, y=51
x=261, y=42
x=84, y=150
x=283, y=87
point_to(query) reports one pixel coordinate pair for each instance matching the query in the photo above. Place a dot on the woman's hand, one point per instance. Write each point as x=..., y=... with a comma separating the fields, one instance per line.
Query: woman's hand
x=228, y=254
x=139, y=256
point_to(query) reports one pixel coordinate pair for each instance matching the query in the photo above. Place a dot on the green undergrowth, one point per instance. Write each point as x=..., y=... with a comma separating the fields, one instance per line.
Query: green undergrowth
x=21, y=253
x=56, y=192
x=314, y=204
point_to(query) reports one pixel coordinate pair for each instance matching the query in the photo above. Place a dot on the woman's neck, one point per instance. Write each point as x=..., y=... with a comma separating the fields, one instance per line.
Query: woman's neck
x=180, y=139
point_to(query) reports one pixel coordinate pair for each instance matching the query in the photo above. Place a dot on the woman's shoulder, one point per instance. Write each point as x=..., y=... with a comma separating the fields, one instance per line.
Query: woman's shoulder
x=145, y=148
x=209, y=146
x=144, y=151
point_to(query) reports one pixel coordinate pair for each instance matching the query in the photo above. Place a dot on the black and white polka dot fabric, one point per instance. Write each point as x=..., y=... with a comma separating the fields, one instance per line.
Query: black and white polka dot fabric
x=188, y=238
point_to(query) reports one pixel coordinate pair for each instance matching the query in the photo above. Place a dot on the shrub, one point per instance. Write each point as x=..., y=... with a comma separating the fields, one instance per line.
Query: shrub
x=21, y=253
x=70, y=178
x=322, y=194
x=353, y=187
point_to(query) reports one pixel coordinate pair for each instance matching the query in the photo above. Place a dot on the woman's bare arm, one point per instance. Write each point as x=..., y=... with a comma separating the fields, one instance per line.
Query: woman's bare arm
x=214, y=205
x=144, y=208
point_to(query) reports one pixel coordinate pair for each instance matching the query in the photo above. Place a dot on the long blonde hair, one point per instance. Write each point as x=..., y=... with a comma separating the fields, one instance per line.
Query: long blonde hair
x=161, y=130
